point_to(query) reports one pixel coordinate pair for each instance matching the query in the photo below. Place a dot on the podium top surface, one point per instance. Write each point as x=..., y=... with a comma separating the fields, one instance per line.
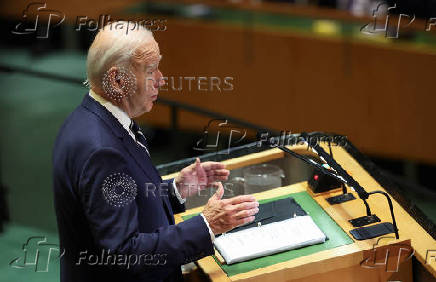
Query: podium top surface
x=336, y=236
x=423, y=243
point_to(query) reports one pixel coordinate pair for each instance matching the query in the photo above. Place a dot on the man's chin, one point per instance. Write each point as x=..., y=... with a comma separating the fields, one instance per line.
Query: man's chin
x=149, y=107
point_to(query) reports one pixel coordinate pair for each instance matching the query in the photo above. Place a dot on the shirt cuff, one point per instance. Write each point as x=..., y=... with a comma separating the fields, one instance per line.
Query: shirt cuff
x=212, y=236
x=176, y=191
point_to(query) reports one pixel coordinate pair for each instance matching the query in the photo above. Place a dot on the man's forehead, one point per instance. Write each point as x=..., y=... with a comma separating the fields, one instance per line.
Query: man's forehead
x=147, y=53
x=153, y=63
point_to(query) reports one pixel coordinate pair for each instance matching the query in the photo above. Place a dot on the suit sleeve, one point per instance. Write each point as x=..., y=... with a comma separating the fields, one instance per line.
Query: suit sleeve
x=175, y=202
x=113, y=217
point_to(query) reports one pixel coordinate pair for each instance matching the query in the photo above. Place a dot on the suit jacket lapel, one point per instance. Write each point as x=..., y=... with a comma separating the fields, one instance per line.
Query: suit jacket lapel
x=137, y=153
x=144, y=161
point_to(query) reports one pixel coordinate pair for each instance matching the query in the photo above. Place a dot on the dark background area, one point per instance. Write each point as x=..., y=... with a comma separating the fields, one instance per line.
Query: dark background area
x=41, y=81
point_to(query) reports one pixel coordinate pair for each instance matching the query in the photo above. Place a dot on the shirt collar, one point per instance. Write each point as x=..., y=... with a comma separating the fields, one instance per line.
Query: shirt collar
x=119, y=114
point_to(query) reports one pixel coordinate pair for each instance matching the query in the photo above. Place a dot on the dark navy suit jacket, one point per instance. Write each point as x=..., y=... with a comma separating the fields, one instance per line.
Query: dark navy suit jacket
x=126, y=236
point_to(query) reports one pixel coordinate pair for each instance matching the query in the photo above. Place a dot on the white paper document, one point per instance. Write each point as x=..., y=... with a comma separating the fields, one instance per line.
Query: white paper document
x=268, y=239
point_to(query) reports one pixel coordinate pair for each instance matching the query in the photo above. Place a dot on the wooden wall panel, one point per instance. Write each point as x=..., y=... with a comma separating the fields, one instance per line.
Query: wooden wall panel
x=380, y=96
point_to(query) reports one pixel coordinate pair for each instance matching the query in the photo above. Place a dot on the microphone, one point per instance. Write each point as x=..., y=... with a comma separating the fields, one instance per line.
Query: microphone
x=340, y=174
x=274, y=142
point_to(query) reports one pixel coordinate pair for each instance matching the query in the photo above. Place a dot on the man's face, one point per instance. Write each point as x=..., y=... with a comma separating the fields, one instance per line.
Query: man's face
x=148, y=79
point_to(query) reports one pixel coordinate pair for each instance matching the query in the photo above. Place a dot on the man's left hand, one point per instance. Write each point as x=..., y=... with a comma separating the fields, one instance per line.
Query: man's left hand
x=198, y=176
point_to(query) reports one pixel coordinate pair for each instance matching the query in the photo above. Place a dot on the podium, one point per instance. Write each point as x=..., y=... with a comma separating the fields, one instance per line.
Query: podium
x=382, y=258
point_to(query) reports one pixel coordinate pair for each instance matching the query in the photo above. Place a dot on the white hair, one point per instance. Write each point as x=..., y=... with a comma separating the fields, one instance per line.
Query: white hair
x=114, y=45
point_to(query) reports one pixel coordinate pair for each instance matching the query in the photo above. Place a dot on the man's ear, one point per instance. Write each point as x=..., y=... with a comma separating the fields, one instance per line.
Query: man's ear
x=118, y=83
x=115, y=79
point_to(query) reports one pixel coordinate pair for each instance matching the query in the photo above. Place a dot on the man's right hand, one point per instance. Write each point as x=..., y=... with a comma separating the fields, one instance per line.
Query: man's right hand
x=225, y=214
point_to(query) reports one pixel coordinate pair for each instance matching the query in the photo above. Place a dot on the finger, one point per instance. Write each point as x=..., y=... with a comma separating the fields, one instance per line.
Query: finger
x=194, y=164
x=246, y=213
x=189, y=168
x=213, y=165
x=217, y=175
x=220, y=192
x=244, y=220
x=197, y=163
x=202, y=187
x=201, y=174
x=241, y=199
x=212, y=179
x=215, y=184
x=245, y=206
x=218, y=172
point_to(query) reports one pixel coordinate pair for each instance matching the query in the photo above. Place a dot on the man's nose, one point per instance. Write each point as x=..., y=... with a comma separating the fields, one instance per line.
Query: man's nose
x=160, y=78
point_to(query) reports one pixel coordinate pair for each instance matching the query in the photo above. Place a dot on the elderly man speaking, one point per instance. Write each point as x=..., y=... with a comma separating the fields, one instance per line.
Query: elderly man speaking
x=114, y=212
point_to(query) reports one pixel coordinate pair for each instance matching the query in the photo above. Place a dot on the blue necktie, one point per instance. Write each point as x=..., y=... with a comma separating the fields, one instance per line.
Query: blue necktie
x=139, y=136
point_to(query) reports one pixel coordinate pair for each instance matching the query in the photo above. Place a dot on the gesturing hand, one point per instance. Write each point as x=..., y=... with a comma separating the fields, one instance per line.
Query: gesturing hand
x=224, y=215
x=198, y=176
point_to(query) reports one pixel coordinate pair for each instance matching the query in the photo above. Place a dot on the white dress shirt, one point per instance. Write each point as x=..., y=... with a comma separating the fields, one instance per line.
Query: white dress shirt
x=125, y=121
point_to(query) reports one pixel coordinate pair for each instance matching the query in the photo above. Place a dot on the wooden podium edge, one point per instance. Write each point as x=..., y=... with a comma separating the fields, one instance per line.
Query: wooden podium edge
x=421, y=240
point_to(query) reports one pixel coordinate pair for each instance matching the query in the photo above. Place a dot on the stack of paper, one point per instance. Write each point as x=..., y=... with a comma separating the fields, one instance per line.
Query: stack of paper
x=268, y=239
